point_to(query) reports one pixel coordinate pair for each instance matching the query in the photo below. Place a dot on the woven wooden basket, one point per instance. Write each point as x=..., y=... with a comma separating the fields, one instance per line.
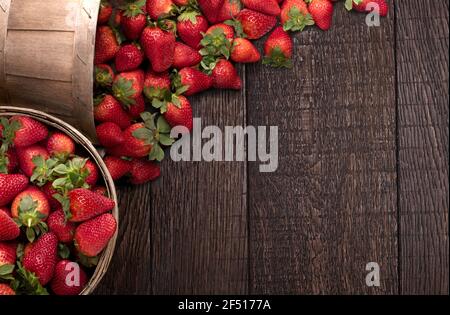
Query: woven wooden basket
x=56, y=123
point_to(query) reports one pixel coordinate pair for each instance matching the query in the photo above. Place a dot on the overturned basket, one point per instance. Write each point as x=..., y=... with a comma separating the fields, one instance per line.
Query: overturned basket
x=56, y=123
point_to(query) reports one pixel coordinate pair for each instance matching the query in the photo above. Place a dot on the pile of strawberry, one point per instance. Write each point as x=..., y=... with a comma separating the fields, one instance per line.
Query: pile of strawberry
x=150, y=55
x=53, y=210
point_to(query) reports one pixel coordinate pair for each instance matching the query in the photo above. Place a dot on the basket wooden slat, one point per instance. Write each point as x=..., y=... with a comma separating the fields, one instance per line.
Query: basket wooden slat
x=81, y=140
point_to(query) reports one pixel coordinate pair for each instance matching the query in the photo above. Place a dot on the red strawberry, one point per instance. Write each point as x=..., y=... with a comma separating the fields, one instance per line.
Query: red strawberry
x=195, y=80
x=143, y=171
x=7, y=252
x=190, y=27
x=225, y=76
x=11, y=186
x=105, y=12
x=159, y=8
x=109, y=134
x=185, y=56
x=9, y=230
x=278, y=49
x=85, y=204
x=136, y=109
x=256, y=24
x=128, y=86
x=156, y=84
x=180, y=114
x=244, y=51
x=49, y=191
x=26, y=155
x=93, y=176
x=228, y=30
x=9, y=163
x=69, y=278
x=117, y=167
x=133, y=20
x=322, y=13
x=6, y=289
x=210, y=8
x=104, y=75
x=129, y=58
x=159, y=47
x=100, y=190
x=295, y=15
x=108, y=109
x=31, y=208
x=106, y=45
x=367, y=6
x=62, y=228
x=132, y=146
x=41, y=259
x=228, y=11
x=91, y=237
x=60, y=145
x=30, y=132
x=269, y=7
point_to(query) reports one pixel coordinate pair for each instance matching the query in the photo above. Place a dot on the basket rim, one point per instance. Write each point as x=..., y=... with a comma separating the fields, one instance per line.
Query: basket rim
x=79, y=138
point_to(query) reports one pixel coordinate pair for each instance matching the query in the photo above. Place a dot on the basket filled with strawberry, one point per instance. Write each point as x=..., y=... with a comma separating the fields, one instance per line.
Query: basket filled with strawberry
x=58, y=207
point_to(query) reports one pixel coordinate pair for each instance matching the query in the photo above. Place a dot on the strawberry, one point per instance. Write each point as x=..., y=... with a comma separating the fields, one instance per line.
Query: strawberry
x=365, y=7
x=185, y=56
x=278, y=49
x=117, y=167
x=127, y=86
x=256, y=24
x=322, y=13
x=85, y=204
x=210, y=9
x=143, y=171
x=226, y=29
x=11, y=186
x=63, y=229
x=195, y=80
x=91, y=237
x=229, y=10
x=295, y=15
x=8, y=229
x=7, y=252
x=108, y=109
x=190, y=26
x=30, y=131
x=27, y=158
x=31, y=208
x=93, y=176
x=179, y=113
x=49, y=191
x=132, y=146
x=156, y=84
x=244, y=51
x=104, y=13
x=269, y=7
x=129, y=58
x=101, y=190
x=8, y=162
x=159, y=8
x=159, y=47
x=181, y=3
x=106, y=45
x=6, y=289
x=65, y=282
x=136, y=109
x=41, y=259
x=225, y=76
x=104, y=75
x=60, y=145
x=133, y=20
x=109, y=134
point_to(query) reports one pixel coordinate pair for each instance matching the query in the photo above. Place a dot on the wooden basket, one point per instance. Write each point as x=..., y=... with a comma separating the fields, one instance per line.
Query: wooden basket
x=46, y=58
x=56, y=123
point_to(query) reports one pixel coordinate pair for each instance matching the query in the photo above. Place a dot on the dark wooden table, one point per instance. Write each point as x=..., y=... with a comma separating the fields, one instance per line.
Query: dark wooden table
x=363, y=174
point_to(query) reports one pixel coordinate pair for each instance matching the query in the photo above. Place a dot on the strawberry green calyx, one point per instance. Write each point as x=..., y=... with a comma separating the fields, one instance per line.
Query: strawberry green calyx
x=238, y=29
x=102, y=77
x=189, y=15
x=8, y=133
x=349, y=4
x=123, y=91
x=4, y=161
x=215, y=46
x=134, y=8
x=27, y=282
x=31, y=218
x=297, y=20
x=88, y=262
x=155, y=133
x=277, y=59
x=43, y=171
x=6, y=272
x=63, y=251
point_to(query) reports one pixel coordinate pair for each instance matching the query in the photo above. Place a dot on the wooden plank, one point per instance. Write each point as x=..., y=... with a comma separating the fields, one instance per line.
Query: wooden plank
x=422, y=69
x=130, y=269
x=199, y=218
x=331, y=206
x=4, y=13
x=38, y=54
x=60, y=15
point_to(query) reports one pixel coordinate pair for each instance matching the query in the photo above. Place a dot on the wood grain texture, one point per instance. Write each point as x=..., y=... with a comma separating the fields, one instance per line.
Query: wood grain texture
x=331, y=206
x=422, y=57
x=199, y=214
